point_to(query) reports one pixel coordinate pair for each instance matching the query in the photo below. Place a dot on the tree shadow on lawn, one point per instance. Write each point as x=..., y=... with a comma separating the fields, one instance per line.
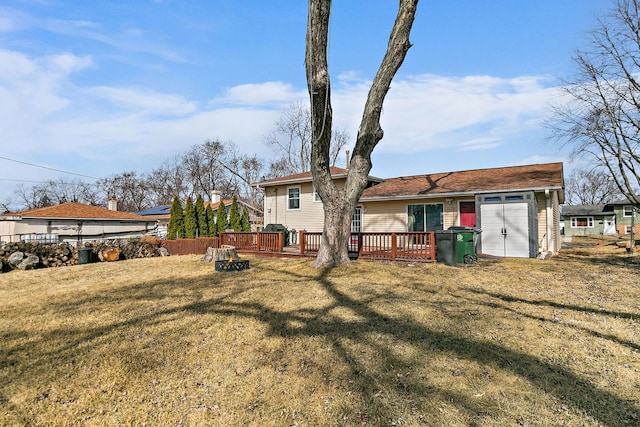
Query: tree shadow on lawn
x=603, y=406
x=507, y=298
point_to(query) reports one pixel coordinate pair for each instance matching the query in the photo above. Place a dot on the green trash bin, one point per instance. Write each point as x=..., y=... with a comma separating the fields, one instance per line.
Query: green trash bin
x=466, y=239
x=85, y=255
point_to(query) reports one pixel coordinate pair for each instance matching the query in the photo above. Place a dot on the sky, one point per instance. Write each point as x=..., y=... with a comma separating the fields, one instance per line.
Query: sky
x=102, y=87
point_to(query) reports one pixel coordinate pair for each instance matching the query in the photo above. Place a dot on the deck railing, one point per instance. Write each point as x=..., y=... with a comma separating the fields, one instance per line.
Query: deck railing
x=408, y=246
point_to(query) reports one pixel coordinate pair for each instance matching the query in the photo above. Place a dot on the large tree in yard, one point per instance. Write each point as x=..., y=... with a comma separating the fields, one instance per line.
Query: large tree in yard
x=339, y=204
x=601, y=120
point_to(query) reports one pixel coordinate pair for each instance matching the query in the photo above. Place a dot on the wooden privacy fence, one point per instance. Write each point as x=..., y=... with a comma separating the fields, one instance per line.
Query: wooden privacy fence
x=198, y=245
x=254, y=242
x=409, y=246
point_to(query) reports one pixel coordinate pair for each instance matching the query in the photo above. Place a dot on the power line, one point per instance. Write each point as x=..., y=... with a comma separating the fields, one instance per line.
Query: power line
x=48, y=168
x=40, y=182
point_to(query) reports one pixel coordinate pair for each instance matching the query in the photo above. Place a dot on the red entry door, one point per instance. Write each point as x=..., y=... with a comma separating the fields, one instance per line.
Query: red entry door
x=468, y=214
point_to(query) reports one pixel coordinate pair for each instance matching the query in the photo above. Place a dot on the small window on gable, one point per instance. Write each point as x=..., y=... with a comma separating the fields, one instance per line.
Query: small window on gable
x=293, y=198
x=627, y=211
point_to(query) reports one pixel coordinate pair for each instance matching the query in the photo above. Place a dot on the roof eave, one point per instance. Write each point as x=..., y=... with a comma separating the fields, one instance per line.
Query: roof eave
x=86, y=219
x=455, y=194
x=307, y=179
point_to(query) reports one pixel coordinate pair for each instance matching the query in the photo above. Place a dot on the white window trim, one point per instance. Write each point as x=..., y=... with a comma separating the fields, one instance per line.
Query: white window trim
x=299, y=198
x=625, y=213
x=590, y=222
x=316, y=196
x=359, y=208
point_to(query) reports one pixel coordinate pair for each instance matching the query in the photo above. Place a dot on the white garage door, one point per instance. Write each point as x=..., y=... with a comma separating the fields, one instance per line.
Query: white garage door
x=505, y=229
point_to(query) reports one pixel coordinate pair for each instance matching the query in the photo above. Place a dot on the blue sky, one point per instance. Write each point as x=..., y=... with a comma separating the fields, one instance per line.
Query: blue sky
x=102, y=87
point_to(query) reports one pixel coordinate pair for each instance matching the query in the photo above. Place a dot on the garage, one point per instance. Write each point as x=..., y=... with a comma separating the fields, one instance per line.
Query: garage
x=508, y=223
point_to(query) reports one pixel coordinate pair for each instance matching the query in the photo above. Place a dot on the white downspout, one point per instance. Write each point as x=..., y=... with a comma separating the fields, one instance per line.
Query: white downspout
x=548, y=196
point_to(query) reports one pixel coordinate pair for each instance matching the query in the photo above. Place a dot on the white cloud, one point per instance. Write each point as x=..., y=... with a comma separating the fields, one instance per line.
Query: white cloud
x=144, y=100
x=267, y=94
x=109, y=129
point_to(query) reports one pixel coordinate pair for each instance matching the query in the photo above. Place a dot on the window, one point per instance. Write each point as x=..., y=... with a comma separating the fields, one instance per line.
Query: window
x=316, y=196
x=424, y=217
x=293, y=197
x=627, y=229
x=582, y=222
x=627, y=211
x=356, y=220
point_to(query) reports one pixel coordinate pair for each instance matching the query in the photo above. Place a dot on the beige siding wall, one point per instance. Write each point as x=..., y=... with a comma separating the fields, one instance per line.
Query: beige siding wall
x=549, y=238
x=387, y=216
x=391, y=215
x=309, y=217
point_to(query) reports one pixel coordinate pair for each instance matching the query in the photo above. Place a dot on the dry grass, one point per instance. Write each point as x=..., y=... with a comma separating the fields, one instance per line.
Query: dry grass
x=170, y=342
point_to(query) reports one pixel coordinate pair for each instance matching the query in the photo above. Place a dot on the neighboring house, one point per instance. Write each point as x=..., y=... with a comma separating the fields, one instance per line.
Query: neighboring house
x=613, y=218
x=582, y=220
x=517, y=208
x=72, y=223
x=162, y=213
x=626, y=215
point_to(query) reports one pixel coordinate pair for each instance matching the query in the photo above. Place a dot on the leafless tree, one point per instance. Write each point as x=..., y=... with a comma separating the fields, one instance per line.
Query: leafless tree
x=55, y=192
x=601, y=121
x=291, y=137
x=339, y=204
x=32, y=197
x=169, y=180
x=130, y=190
x=590, y=187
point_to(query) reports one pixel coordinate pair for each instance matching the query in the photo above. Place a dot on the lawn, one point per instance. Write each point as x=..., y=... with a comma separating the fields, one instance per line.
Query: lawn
x=170, y=342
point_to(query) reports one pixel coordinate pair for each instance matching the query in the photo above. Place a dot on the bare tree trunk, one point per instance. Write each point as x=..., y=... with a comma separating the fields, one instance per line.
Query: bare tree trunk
x=339, y=205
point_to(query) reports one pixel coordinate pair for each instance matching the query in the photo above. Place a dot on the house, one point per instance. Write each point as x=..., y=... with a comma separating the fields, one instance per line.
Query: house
x=162, y=213
x=582, y=220
x=292, y=200
x=613, y=218
x=517, y=208
x=72, y=223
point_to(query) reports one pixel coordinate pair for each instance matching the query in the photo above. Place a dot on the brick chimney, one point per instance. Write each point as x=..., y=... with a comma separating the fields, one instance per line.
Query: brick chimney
x=113, y=204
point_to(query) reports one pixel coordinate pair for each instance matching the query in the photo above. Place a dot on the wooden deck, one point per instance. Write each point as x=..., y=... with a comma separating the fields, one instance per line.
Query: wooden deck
x=409, y=246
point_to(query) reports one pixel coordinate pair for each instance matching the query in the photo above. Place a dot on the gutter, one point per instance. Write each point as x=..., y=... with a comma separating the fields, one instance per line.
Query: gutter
x=454, y=194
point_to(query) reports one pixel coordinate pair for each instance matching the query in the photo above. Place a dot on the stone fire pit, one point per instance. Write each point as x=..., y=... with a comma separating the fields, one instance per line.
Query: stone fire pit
x=231, y=265
x=225, y=258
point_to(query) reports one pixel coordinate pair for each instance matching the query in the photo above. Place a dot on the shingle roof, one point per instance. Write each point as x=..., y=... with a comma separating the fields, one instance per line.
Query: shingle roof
x=568, y=210
x=514, y=178
x=305, y=176
x=73, y=210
